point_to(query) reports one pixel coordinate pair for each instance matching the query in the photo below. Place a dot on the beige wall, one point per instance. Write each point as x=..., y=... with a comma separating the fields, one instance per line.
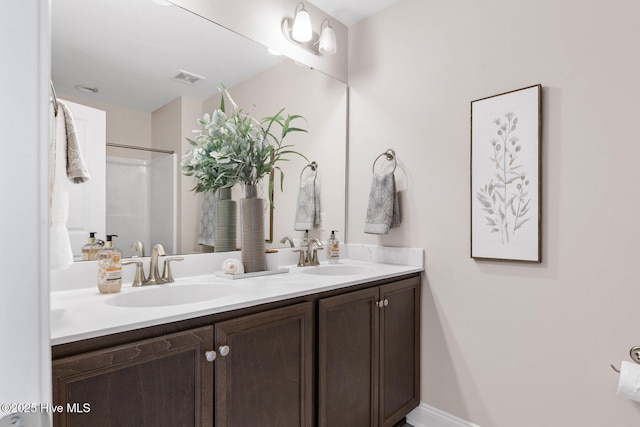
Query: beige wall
x=172, y=123
x=124, y=126
x=507, y=344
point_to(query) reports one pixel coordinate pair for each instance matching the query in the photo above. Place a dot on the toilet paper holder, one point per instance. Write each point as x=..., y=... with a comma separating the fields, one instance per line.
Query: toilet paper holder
x=634, y=353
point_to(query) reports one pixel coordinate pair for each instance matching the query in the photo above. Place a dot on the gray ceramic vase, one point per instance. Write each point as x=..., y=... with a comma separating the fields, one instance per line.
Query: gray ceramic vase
x=226, y=222
x=252, y=237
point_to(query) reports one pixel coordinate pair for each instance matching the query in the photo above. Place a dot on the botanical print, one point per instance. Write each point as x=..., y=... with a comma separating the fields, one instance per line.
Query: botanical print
x=505, y=198
x=505, y=164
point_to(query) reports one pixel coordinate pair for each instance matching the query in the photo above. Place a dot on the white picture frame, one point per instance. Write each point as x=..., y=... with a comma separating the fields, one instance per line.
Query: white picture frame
x=506, y=136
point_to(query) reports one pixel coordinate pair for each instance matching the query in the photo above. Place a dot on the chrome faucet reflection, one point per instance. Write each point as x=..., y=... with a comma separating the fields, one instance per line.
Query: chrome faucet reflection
x=138, y=247
x=289, y=239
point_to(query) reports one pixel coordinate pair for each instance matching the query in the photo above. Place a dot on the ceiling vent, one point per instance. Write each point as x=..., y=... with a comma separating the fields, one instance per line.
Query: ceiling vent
x=187, y=78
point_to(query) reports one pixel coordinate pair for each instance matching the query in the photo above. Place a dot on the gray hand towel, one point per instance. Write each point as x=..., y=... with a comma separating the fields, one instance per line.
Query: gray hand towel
x=308, y=206
x=76, y=169
x=383, y=210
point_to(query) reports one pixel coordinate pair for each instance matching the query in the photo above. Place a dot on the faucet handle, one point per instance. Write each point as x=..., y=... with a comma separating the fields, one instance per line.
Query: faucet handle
x=166, y=271
x=314, y=257
x=139, y=277
x=302, y=260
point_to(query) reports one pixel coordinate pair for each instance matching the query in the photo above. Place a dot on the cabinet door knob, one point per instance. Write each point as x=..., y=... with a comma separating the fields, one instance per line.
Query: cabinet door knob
x=223, y=350
x=210, y=356
x=386, y=302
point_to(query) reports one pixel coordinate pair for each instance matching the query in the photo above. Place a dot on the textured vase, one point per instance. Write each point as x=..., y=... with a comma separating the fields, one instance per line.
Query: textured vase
x=226, y=220
x=252, y=238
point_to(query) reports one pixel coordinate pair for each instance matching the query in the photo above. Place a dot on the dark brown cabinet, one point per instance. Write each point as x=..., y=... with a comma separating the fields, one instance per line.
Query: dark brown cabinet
x=338, y=358
x=264, y=369
x=369, y=355
x=165, y=381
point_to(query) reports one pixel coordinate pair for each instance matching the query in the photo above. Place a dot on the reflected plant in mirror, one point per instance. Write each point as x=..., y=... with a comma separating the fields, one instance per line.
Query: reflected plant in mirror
x=236, y=148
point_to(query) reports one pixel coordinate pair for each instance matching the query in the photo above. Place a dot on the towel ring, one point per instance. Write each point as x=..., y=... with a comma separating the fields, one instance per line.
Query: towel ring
x=390, y=155
x=54, y=98
x=314, y=168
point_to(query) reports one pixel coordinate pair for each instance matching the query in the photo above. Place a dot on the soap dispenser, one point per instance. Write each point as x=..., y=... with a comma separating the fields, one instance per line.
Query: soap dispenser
x=91, y=249
x=109, y=267
x=333, y=248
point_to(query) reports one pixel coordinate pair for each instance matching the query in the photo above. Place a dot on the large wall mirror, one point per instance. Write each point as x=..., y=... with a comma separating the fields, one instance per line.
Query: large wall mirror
x=143, y=58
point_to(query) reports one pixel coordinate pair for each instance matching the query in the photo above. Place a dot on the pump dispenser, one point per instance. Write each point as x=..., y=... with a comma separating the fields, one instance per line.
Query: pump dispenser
x=109, y=267
x=333, y=248
x=91, y=249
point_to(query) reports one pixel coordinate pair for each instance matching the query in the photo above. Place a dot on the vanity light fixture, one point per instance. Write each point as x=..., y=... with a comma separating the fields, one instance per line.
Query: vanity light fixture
x=300, y=32
x=327, y=44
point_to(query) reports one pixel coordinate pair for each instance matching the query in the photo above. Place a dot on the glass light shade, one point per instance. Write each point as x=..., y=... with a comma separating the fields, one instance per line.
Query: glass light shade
x=301, y=30
x=327, y=41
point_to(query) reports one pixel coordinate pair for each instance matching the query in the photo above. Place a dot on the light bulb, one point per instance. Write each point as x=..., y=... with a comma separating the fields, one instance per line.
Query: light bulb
x=327, y=40
x=301, y=30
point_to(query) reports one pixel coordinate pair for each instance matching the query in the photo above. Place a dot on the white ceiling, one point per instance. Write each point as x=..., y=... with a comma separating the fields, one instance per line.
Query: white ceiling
x=130, y=49
x=351, y=11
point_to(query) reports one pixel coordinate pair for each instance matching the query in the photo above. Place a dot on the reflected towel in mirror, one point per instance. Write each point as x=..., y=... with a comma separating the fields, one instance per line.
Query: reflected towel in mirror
x=308, y=206
x=60, y=252
x=76, y=168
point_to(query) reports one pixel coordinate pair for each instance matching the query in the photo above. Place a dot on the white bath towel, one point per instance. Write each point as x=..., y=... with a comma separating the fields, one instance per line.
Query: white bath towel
x=383, y=210
x=308, y=206
x=208, y=219
x=60, y=252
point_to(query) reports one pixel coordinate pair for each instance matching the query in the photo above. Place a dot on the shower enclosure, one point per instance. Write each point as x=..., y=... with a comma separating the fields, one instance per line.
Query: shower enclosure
x=141, y=200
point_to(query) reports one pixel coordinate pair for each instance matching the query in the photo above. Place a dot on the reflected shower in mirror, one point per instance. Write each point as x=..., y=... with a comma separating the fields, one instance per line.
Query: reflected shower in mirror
x=156, y=70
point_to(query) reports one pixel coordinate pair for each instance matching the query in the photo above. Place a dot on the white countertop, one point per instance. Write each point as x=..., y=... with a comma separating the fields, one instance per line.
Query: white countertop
x=79, y=314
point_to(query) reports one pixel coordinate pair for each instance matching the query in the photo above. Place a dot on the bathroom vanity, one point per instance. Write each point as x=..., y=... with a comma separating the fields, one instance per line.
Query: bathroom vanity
x=305, y=348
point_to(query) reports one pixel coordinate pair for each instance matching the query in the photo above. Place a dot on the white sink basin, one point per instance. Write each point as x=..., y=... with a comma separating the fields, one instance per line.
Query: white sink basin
x=336, y=270
x=170, y=294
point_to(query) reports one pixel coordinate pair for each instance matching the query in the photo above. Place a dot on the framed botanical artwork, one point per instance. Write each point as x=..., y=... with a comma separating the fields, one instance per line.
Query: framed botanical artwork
x=506, y=132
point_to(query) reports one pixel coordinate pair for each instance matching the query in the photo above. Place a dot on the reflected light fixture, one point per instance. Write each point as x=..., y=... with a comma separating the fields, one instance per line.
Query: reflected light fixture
x=327, y=44
x=301, y=30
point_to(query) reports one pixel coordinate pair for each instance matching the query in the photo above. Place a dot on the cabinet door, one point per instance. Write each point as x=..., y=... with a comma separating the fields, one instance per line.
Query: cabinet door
x=399, y=350
x=266, y=377
x=348, y=359
x=164, y=381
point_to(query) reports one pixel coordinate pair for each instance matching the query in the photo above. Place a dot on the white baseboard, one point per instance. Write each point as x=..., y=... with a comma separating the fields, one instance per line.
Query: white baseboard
x=428, y=416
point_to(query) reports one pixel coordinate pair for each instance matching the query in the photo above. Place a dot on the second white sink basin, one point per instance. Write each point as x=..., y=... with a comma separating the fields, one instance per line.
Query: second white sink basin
x=169, y=294
x=336, y=270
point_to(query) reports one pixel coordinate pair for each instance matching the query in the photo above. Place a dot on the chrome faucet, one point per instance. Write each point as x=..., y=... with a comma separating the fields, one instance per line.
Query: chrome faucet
x=309, y=255
x=154, y=274
x=287, y=238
